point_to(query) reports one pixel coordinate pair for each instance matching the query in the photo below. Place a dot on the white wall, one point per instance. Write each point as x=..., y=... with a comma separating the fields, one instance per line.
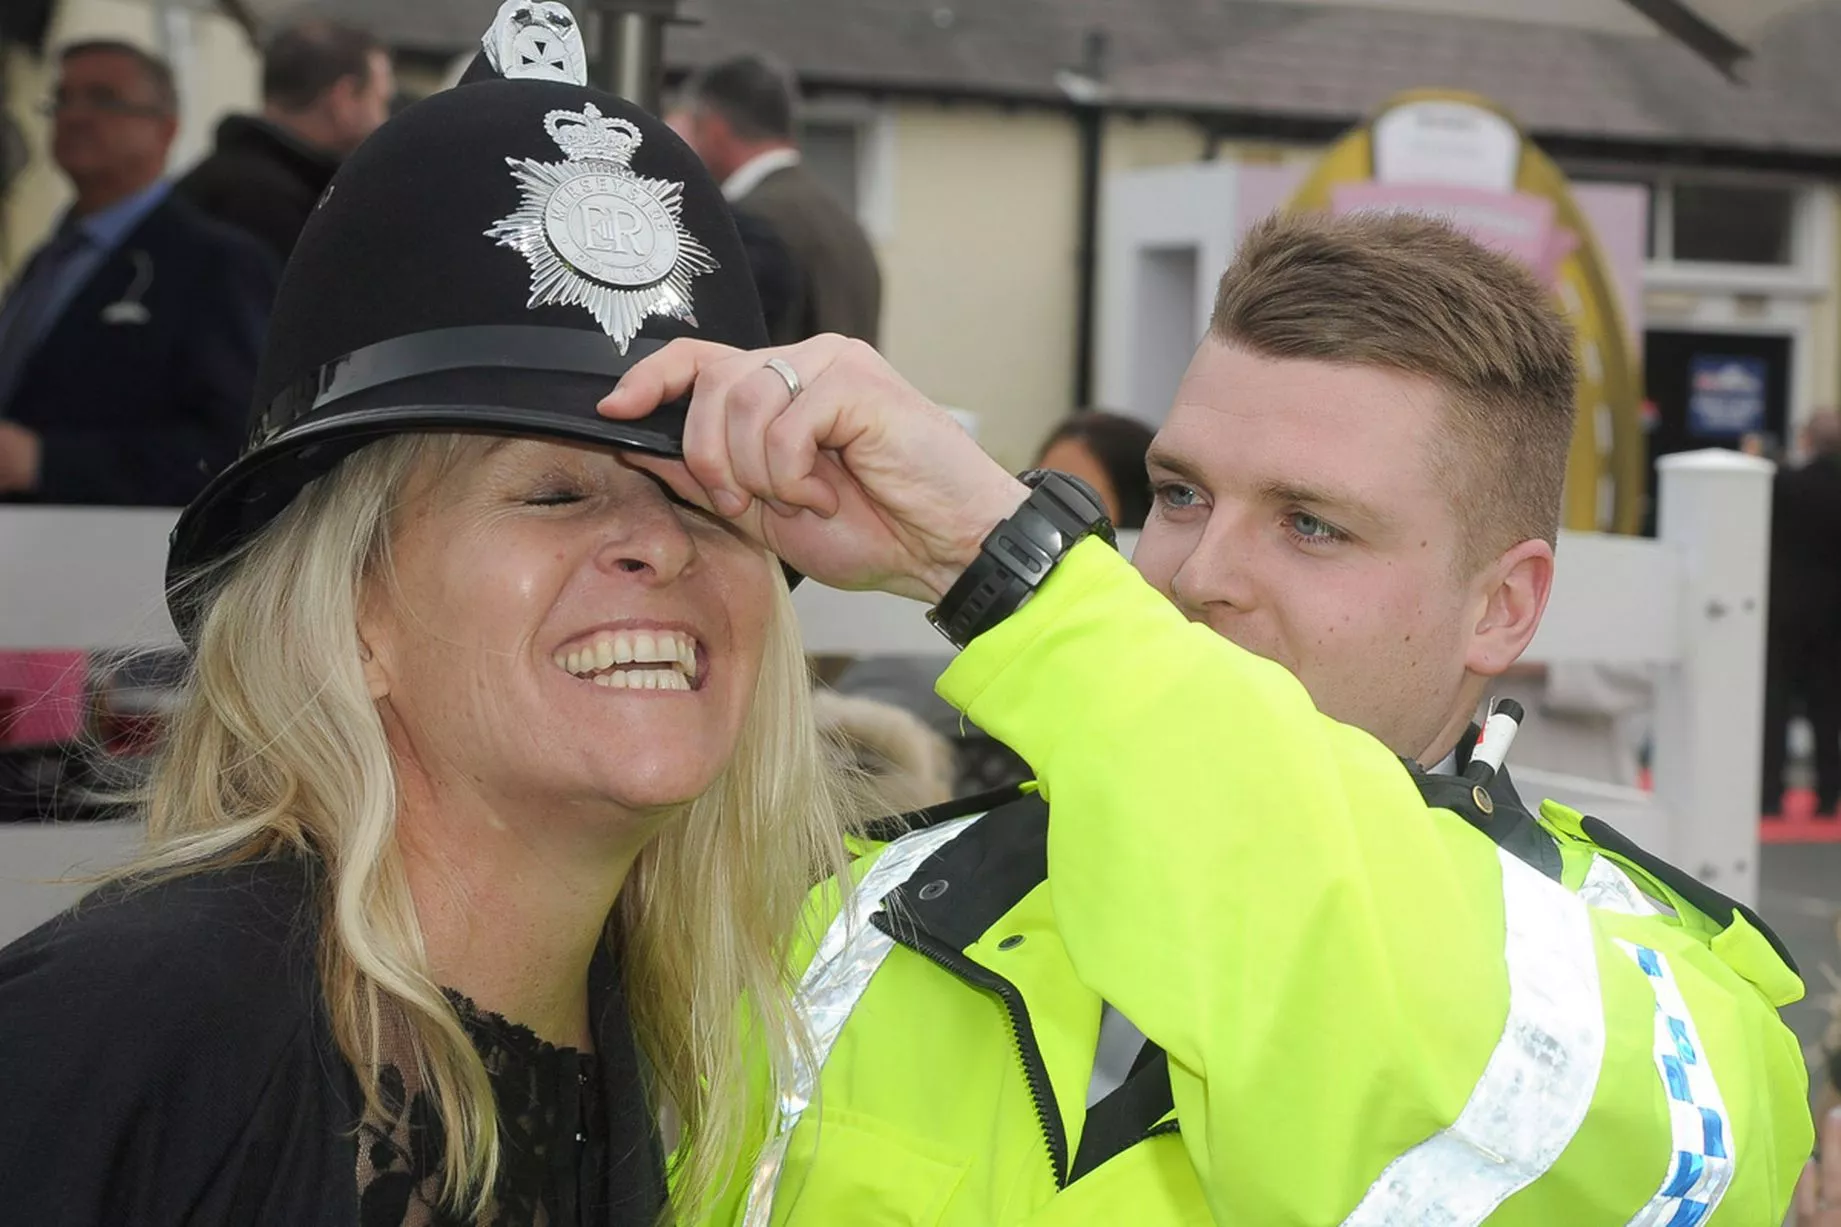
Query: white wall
x=978, y=266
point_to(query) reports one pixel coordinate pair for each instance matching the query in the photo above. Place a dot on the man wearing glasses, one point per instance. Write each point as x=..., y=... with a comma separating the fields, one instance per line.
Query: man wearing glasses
x=128, y=340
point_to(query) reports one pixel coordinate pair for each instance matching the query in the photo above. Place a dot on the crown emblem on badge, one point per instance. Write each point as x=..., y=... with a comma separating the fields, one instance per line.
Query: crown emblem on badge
x=591, y=134
x=597, y=234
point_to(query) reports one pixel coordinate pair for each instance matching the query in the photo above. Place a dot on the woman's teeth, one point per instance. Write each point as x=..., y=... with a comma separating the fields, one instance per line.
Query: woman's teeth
x=643, y=679
x=617, y=659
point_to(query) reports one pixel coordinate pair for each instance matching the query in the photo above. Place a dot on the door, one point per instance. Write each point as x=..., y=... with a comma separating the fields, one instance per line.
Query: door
x=1713, y=389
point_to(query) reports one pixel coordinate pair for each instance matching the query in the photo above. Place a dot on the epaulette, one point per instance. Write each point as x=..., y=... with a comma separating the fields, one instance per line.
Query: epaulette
x=893, y=827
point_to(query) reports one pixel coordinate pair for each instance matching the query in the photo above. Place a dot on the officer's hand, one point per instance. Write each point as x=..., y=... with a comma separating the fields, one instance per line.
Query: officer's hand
x=1818, y=1194
x=858, y=482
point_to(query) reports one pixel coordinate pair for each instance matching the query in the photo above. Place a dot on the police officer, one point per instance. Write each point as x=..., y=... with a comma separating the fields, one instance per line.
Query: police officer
x=1264, y=947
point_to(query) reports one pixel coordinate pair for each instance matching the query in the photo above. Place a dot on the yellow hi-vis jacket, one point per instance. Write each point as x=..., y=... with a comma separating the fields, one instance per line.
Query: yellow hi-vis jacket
x=1367, y=1012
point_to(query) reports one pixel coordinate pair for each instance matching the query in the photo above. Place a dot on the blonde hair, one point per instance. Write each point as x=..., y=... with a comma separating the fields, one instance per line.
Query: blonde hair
x=1409, y=293
x=278, y=745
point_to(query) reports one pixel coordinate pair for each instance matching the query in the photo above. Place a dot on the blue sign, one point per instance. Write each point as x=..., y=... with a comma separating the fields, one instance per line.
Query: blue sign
x=1725, y=396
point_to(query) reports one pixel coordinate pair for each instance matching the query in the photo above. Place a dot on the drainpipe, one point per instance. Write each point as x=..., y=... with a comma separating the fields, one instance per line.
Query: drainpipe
x=632, y=48
x=1085, y=89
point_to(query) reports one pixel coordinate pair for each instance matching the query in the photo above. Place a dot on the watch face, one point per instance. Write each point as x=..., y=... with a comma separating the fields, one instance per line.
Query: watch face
x=1080, y=498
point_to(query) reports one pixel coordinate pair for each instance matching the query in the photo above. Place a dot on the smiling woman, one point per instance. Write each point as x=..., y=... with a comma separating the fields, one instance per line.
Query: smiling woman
x=496, y=794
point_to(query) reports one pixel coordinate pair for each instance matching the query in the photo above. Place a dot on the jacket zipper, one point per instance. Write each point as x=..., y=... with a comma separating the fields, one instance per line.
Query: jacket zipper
x=1035, y=1070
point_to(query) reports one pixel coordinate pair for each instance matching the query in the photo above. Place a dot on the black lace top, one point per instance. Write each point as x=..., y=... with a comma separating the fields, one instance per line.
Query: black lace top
x=553, y=1130
x=168, y=1061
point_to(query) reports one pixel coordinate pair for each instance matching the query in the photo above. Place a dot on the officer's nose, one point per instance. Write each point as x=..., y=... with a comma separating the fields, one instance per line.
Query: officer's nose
x=1216, y=577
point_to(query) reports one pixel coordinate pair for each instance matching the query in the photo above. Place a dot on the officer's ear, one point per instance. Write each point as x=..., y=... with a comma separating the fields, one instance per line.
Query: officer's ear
x=1512, y=594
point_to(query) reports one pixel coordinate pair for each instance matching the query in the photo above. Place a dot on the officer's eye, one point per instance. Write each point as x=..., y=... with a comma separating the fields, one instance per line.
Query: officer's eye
x=1313, y=530
x=1176, y=496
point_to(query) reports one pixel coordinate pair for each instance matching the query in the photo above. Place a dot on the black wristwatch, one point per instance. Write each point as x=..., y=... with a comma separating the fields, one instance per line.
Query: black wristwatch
x=1020, y=553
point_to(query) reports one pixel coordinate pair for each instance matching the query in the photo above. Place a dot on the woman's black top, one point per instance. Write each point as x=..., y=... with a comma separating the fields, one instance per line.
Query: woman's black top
x=166, y=1058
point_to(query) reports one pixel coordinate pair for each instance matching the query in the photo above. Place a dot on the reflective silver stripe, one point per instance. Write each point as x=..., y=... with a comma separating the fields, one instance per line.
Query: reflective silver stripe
x=834, y=982
x=1537, y=1085
x=1610, y=889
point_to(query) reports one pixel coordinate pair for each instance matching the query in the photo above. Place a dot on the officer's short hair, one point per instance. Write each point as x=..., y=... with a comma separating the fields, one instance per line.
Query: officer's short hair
x=304, y=59
x=155, y=71
x=756, y=95
x=1412, y=294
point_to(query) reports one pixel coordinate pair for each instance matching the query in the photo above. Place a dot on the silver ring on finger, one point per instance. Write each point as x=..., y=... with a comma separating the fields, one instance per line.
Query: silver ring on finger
x=787, y=374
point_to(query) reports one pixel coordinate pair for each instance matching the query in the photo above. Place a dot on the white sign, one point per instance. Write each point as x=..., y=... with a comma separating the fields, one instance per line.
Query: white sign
x=1445, y=142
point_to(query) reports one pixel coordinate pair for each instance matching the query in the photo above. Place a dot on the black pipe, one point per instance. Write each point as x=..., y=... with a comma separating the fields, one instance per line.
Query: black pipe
x=1090, y=122
x=630, y=58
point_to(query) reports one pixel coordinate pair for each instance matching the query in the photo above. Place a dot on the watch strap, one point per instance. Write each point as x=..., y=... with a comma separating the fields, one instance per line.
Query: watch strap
x=1020, y=553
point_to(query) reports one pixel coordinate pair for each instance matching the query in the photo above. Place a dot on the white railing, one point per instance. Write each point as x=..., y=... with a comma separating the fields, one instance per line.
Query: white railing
x=1690, y=604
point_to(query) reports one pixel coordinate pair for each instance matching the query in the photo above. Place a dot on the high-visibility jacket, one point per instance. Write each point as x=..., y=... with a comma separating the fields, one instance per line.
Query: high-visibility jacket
x=1363, y=1010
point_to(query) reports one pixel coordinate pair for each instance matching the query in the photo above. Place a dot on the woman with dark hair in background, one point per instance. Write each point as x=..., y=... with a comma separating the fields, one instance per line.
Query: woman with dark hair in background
x=1105, y=450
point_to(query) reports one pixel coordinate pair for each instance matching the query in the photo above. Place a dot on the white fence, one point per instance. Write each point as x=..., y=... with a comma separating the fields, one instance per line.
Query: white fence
x=1690, y=604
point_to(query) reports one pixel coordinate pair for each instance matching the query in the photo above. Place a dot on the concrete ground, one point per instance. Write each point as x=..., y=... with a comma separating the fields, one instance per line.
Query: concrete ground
x=1799, y=896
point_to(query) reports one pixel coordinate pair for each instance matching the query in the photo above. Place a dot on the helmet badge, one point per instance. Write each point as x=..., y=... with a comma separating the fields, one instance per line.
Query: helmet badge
x=536, y=40
x=597, y=234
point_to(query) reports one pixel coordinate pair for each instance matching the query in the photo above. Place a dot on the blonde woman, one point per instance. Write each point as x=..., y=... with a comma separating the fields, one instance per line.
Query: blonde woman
x=496, y=791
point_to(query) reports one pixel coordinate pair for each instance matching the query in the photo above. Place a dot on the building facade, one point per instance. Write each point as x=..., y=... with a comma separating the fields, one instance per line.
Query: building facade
x=974, y=142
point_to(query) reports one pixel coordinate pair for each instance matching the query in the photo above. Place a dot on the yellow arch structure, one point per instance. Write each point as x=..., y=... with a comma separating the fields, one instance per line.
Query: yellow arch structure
x=1606, y=473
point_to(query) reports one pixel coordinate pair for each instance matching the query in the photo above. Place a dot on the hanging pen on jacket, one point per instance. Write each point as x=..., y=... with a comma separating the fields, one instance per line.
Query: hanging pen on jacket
x=1492, y=748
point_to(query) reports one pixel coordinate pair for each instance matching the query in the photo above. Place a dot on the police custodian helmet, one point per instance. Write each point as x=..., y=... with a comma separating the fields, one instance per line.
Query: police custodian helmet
x=492, y=259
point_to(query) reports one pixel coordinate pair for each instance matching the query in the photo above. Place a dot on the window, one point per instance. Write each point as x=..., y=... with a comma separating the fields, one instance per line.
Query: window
x=1730, y=223
x=1753, y=224
x=833, y=151
x=848, y=144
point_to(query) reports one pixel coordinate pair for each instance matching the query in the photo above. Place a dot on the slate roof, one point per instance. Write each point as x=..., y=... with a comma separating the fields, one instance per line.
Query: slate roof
x=1250, y=60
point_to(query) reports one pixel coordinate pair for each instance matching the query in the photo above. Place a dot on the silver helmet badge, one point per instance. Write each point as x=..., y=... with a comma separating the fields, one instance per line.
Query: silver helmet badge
x=536, y=40
x=597, y=234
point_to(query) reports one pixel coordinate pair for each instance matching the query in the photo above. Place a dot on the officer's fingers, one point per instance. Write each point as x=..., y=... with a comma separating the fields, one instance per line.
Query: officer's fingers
x=662, y=377
x=755, y=402
x=706, y=436
x=682, y=364
x=673, y=475
x=792, y=454
x=814, y=356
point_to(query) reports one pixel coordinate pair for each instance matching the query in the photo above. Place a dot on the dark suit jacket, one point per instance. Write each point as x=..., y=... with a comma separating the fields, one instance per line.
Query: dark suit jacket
x=839, y=285
x=260, y=178
x=142, y=411
x=1806, y=554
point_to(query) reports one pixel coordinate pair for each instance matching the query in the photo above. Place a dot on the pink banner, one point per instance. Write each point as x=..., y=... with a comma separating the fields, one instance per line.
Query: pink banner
x=1514, y=223
x=41, y=696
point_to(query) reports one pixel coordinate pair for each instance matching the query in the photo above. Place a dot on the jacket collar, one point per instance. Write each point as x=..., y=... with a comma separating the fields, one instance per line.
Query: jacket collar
x=254, y=134
x=1505, y=818
x=752, y=173
x=109, y=228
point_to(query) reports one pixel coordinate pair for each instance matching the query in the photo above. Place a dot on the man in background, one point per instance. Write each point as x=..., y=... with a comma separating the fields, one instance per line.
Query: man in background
x=739, y=117
x=128, y=343
x=1803, y=653
x=325, y=87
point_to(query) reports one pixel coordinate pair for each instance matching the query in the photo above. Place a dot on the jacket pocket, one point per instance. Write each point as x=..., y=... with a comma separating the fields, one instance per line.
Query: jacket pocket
x=844, y=1168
